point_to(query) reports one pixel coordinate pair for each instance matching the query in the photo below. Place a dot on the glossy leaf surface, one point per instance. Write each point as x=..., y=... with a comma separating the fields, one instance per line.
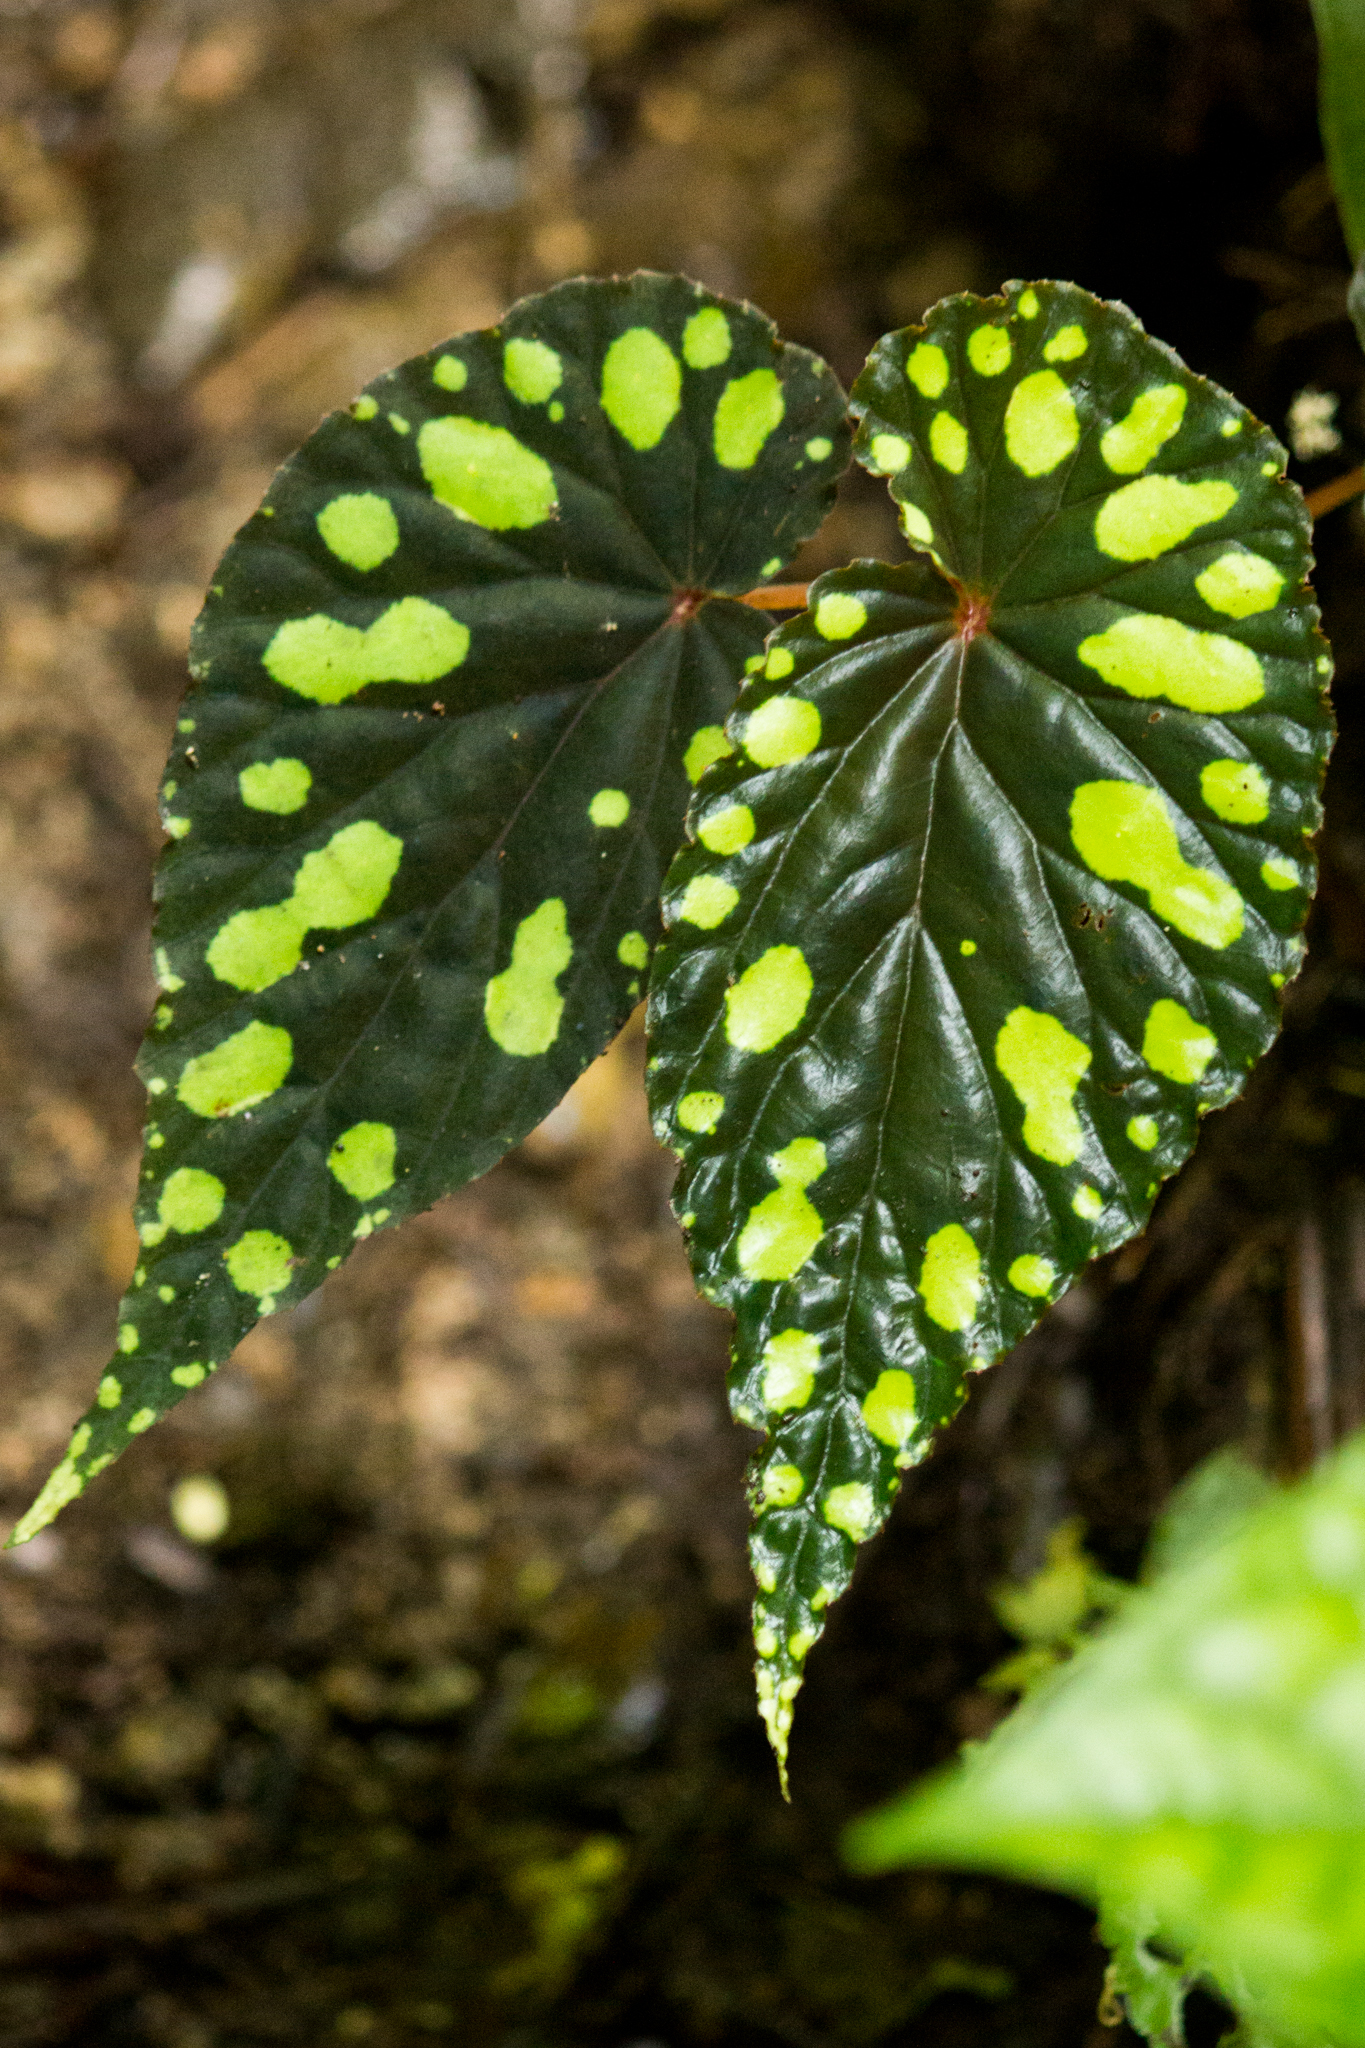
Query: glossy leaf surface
x=994, y=898
x=452, y=680
x=1201, y=1766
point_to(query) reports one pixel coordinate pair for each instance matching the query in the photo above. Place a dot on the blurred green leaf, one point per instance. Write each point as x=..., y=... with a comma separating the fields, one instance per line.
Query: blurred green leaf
x=1341, y=108
x=1201, y=1767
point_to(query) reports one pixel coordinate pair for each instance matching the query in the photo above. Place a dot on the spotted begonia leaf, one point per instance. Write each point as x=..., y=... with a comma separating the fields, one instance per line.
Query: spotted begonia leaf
x=995, y=896
x=452, y=680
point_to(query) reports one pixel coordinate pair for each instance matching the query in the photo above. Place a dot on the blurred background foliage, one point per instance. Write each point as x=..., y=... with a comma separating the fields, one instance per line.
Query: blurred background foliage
x=425, y=1712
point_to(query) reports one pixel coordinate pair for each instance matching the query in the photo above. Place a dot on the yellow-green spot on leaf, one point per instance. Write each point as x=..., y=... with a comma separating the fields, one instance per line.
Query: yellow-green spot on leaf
x=950, y=1278
x=256, y=948
x=531, y=370
x=1235, y=791
x=522, y=1006
x=782, y=1487
x=1145, y=519
x=927, y=369
x=838, y=616
x=1087, y=1203
x=1028, y=307
x=852, y=1509
x=707, y=744
x=948, y=443
x=280, y=786
x=779, y=662
x=1240, y=583
x=989, y=351
x=238, y=1073
x=1066, y=344
x=324, y=659
x=362, y=1159
x=889, y=453
x=1124, y=832
x=1280, y=873
x=359, y=528
x=707, y=901
x=747, y=412
x=915, y=525
x=450, y=373
x=1229, y=428
x=485, y=475
x=800, y=1643
x=139, y=1424
x=1143, y=1131
x=340, y=884
x=609, y=808
x=784, y=1228
x=1277, y=981
x=819, y=447
x=364, y=407
x=765, y=1641
x=701, y=1111
x=727, y=828
x=399, y=424
x=175, y=828
x=889, y=1410
x=1041, y=427
x=1149, y=655
x=172, y=983
x=110, y=1391
x=967, y=948
x=789, y=1364
x=769, y=999
x=772, y=565
x=706, y=339
x=191, y=1375
x=784, y=729
x=191, y=1200
x=1033, y=1276
x=1175, y=1045
x=165, y=1294
x=633, y=950
x=1043, y=1063
x=641, y=387
x=346, y=881
x=259, y=1264
x=556, y=411
x=1152, y=419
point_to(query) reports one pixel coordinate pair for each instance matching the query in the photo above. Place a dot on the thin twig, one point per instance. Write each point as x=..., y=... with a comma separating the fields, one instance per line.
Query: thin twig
x=1338, y=492
x=778, y=597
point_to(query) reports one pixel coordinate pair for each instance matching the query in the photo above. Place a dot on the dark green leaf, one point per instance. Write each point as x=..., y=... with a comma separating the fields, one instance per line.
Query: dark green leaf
x=995, y=899
x=452, y=679
x=1341, y=108
x=1200, y=1766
